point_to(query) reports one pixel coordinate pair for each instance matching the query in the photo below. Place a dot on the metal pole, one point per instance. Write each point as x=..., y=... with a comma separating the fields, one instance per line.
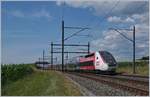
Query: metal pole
x=51, y=55
x=43, y=58
x=66, y=62
x=88, y=47
x=56, y=60
x=134, y=50
x=62, y=45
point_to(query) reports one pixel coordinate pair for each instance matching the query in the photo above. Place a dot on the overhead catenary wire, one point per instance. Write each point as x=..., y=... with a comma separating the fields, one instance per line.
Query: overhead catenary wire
x=106, y=15
x=92, y=19
x=122, y=35
x=74, y=34
x=109, y=12
x=142, y=5
x=98, y=23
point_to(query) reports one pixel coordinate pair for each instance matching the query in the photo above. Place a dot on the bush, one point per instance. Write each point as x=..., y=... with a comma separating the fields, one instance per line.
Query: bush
x=13, y=72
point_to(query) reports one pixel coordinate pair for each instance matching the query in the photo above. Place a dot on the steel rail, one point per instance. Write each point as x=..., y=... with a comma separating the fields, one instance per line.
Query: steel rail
x=130, y=88
x=127, y=78
x=140, y=76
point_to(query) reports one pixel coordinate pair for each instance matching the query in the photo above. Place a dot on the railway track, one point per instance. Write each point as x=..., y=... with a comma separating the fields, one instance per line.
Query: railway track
x=144, y=81
x=132, y=85
x=135, y=75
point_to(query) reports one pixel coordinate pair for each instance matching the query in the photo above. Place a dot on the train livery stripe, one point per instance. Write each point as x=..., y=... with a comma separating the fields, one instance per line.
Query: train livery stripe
x=87, y=67
x=87, y=59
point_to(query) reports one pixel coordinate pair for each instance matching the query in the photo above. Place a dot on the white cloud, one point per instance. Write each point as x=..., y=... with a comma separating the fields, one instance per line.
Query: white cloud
x=141, y=45
x=142, y=30
x=128, y=19
x=99, y=7
x=143, y=18
x=116, y=19
x=141, y=34
x=39, y=14
x=119, y=46
x=128, y=13
x=77, y=3
x=102, y=7
x=42, y=14
x=137, y=16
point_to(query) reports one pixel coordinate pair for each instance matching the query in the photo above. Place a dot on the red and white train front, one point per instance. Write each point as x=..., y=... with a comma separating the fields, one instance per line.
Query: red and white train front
x=102, y=60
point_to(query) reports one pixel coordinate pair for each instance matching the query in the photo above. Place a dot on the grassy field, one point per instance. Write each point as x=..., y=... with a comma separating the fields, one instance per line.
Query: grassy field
x=13, y=72
x=142, y=68
x=47, y=83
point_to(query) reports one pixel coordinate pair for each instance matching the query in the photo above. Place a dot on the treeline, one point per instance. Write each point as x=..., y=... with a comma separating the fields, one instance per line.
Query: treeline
x=10, y=73
x=145, y=58
x=138, y=63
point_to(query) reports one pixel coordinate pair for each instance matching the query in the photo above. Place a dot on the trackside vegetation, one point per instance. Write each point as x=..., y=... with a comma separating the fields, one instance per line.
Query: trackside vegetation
x=26, y=80
x=11, y=73
x=142, y=67
x=42, y=83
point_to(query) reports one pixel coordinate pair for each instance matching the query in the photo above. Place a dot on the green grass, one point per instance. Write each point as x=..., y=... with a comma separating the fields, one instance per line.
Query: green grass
x=142, y=68
x=13, y=72
x=47, y=83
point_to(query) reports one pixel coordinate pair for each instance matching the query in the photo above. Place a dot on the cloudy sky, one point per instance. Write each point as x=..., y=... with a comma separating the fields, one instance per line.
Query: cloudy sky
x=29, y=27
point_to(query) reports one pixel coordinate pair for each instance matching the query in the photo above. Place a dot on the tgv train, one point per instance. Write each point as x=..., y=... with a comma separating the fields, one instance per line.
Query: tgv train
x=97, y=61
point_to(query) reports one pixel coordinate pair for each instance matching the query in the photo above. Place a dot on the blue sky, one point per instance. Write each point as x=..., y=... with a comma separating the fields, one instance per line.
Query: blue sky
x=29, y=27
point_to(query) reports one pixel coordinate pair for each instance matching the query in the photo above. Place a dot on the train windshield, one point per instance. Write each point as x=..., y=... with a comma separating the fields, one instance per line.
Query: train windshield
x=108, y=58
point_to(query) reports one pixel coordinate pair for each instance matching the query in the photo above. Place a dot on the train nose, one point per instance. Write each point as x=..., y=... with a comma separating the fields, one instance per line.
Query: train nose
x=104, y=67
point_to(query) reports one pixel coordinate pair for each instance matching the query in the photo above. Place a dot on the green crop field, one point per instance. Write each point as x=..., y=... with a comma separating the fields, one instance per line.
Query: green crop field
x=14, y=72
x=142, y=67
x=41, y=83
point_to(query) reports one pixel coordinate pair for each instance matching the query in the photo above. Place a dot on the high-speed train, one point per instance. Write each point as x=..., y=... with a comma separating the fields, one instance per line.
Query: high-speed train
x=97, y=61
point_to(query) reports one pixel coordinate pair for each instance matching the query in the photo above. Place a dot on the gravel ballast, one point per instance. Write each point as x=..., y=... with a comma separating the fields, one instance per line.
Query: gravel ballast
x=97, y=88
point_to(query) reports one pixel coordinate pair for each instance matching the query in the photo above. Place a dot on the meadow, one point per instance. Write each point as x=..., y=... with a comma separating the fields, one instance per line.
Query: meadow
x=26, y=80
x=141, y=67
